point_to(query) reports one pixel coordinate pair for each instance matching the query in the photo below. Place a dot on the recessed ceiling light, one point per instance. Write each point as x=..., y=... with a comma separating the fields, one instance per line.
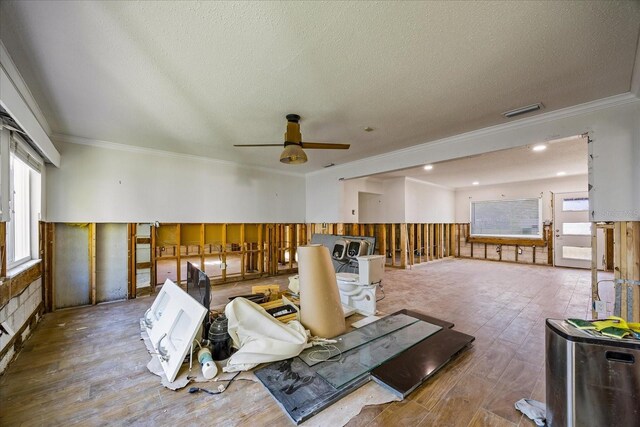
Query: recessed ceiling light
x=561, y=173
x=539, y=147
x=368, y=129
x=475, y=183
x=428, y=167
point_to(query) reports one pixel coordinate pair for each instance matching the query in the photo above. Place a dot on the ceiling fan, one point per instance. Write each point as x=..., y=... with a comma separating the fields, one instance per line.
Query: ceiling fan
x=293, y=145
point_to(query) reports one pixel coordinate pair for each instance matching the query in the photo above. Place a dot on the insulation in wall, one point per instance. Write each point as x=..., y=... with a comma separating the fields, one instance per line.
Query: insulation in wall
x=111, y=262
x=71, y=270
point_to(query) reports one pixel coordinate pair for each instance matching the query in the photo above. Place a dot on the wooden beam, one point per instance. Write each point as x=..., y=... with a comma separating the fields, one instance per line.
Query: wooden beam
x=152, y=256
x=507, y=241
x=419, y=242
x=223, y=252
x=10, y=288
x=52, y=268
x=3, y=249
x=594, y=269
x=411, y=232
x=393, y=245
x=617, y=241
x=383, y=240
x=178, y=254
x=633, y=249
x=403, y=245
x=92, y=262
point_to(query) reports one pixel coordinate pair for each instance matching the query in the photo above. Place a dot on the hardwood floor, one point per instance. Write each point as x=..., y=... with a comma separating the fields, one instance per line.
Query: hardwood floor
x=88, y=366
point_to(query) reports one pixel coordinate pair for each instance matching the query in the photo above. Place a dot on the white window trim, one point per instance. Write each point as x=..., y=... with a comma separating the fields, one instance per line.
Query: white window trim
x=12, y=143
x=509, y=236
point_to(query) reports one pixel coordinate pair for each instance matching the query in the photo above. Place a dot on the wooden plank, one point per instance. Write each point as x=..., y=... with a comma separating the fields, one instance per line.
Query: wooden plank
x=154, y=271
x=452, y=240
x=508, y=241
x=616, y=263
x=223, y=252
x=609, y=248
x=261, y=256
x=419, y=242
x=550, y=248
x=131, y=260
x=243, y=252
x=46, y=259
x=18, y=283
x=383, y=240
x=92, y=261
x=636, y=271
x=623, y=270
x=392, y=247
x=178, y=254
x=411, y=232
x=594, y=269
x=3, y=249
x=202, y=243
x=403, y=245
x=52, y=269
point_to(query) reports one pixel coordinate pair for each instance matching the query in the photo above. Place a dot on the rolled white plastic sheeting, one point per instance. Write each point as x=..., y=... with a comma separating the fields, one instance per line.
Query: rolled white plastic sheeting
x=259, y=337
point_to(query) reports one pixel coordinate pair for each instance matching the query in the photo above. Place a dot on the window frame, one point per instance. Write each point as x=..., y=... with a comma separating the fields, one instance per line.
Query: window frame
x=539, y=235
x=12, y=145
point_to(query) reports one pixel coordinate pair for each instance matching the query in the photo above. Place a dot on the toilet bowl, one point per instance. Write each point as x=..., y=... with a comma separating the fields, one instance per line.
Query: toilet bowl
x=361, y=297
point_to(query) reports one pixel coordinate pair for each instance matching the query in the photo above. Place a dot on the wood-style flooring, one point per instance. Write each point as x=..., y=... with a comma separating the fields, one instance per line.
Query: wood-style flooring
x=87, y=365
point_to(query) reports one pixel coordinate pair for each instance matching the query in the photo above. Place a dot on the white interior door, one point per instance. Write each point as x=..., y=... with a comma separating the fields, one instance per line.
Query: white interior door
x=572, y=230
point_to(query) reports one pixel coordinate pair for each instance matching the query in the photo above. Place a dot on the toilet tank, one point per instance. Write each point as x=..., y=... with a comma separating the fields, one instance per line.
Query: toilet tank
x=370, y=268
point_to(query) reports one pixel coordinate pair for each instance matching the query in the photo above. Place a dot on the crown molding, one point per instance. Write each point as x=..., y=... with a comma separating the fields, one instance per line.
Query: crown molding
x=563, y=113
x=16, y=78
x=162, y=153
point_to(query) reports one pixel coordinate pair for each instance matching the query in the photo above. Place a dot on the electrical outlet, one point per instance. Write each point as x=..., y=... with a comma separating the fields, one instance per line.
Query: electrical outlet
x=601, y=306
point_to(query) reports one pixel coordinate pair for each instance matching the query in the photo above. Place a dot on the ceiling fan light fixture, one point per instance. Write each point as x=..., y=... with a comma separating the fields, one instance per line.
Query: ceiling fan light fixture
x=293, y=154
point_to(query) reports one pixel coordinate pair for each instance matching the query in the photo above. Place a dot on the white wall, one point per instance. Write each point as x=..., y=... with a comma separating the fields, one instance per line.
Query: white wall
x=350, y=198
x=393, y=200
x=428, y=203
x=518, y=190
x=95, y=184
x=370, y=208
x=614, y=124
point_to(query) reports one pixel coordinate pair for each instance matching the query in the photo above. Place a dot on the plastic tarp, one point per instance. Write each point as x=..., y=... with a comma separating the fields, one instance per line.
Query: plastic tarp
x=259, y=337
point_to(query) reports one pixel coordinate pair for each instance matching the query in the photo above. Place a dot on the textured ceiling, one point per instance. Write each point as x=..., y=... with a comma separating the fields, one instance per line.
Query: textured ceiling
x=568, y=155
x=198, y=77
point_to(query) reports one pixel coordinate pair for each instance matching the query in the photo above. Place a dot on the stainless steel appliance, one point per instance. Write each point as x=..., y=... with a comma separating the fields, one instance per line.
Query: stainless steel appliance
x=590, y=381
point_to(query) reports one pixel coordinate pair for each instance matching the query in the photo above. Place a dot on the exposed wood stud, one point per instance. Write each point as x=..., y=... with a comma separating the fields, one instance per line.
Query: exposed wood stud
x=92, y=262
x=403, y=245
x=594, y=269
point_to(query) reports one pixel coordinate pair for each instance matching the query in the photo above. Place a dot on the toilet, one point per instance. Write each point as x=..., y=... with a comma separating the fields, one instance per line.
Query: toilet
x=358, y=291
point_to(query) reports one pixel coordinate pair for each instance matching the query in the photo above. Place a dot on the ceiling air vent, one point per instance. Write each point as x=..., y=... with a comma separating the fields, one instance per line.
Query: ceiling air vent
x=523, y=110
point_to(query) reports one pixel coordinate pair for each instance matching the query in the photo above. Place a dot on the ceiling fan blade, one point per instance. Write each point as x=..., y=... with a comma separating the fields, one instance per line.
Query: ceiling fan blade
x=257, y=145
x=325, y=146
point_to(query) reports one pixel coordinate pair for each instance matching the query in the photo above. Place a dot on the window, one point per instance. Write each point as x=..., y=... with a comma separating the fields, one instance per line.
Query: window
x=507, y=218
x=21, y=169
x=575, y=205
